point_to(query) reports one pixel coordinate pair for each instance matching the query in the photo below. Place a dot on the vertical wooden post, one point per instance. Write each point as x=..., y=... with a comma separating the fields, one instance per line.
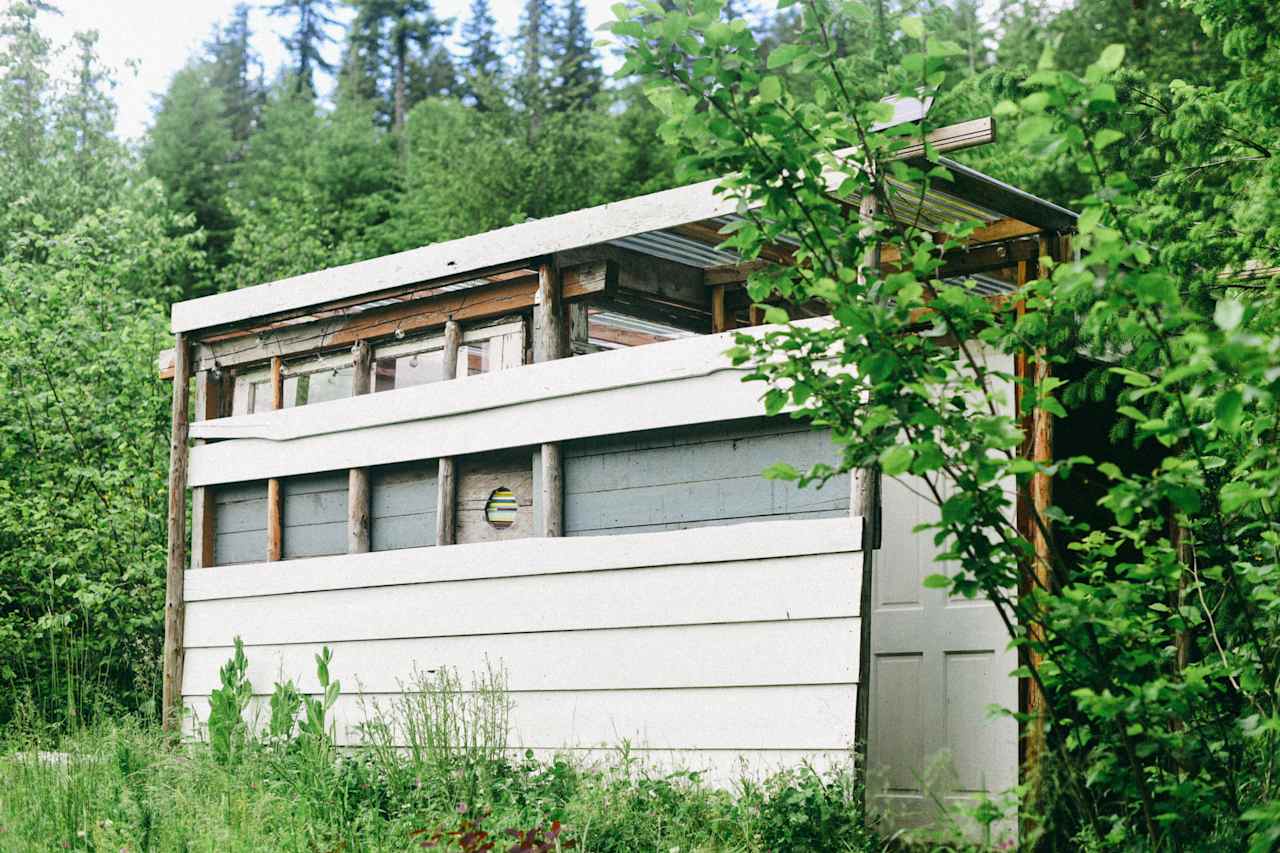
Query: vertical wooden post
x=176, y=563
x=209, y=405
x=719, y=314
x=275, y=519
x=358, y=478
x=864, y=503
x=1033, y=504
x=579, y=328
x=447, y=473
x=550, y=341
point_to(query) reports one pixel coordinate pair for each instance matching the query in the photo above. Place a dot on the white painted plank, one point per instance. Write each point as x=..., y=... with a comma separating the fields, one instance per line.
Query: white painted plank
x=819, y=651
x=818, y=717
x=823, y=585
x=687, y=381
x=764, y=540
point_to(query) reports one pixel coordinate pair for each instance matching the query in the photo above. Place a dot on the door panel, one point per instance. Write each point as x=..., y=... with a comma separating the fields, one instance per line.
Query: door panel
x=937, y=665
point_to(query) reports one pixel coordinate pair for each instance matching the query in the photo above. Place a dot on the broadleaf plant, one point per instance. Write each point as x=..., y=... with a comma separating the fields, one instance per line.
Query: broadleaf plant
x=1151, y=622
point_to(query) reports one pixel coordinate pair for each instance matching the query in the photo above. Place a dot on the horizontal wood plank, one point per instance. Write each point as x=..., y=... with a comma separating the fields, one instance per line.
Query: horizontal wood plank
x=819, y=586
x=818, y=717
x=819, y=651
x=528, y=557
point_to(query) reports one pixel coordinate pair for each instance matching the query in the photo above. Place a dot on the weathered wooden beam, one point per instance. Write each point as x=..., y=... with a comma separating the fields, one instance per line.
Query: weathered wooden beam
x=550, y=342
x=864, y=503
x=1034, y=501
x=551, y=497
x=581, y=281
x=275, y=499
x=720, y=318
x=358, y=478
x=1000, y=230
x=176, y=562
x=985, y=258
x=447, y=472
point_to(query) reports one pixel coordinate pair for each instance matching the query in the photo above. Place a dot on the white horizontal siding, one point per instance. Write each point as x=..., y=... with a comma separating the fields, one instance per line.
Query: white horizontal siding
x=661, y=658
x=741, y=642
x=687, y=381
x=818, y=718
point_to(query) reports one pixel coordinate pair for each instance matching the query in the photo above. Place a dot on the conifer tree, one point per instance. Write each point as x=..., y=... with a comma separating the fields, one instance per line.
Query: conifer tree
x=536, y=29
x=578, y=75
x=481, y=61
x=236, y=70
x=308, y=38
x=190, y=150
x=399, y=47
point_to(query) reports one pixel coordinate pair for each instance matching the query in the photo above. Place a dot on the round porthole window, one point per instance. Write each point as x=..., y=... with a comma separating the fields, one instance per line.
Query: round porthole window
x=500, y=509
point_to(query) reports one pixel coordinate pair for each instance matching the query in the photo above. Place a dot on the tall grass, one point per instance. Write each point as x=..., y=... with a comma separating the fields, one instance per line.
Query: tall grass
x=117, y=786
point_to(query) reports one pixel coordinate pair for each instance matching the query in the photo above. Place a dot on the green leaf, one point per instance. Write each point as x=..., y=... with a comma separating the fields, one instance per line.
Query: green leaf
x=770, y=89
x=913, y=26
x=1228, y=411
x=1112, y=56
x=784, y=54
x=1228, y=314
x=896, y=460
x=1033, y=128
x=774, y=314
x=1236, y=495
x=1105, y=137
x=781, y=471
x=937, y=582
x=1089, y=219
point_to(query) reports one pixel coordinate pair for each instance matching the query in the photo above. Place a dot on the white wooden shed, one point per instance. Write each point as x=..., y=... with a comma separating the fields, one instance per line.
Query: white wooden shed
x=528, y=446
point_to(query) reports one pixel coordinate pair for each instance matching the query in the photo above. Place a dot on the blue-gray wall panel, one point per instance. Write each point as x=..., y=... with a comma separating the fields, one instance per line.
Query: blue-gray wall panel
x=696, y=476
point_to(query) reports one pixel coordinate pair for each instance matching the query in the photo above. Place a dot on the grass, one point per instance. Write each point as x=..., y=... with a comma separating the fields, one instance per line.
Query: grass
x=433, y=768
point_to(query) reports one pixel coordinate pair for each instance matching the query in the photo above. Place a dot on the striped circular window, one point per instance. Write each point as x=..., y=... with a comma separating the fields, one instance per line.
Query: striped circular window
x=500, y=509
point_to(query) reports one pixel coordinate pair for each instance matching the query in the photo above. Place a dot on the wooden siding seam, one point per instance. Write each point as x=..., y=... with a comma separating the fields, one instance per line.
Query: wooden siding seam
x=798, y=620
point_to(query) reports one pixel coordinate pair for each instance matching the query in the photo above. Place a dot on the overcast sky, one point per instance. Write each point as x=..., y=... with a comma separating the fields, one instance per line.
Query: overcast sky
x=158, y=36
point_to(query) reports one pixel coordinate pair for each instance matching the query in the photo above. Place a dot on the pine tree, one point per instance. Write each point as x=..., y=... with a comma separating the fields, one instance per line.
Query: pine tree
x=190, y=150
x=535, y=34
x=578, y=75
x=481, y=61
x=397, y=54
x=236, y=70
x=309, y=36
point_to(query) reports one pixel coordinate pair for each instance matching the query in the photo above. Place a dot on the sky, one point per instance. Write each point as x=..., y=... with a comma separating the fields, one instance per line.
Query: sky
x=146, y=41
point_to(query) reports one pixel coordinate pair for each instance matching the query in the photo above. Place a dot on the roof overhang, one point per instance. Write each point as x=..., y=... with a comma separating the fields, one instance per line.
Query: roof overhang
x=655, y=224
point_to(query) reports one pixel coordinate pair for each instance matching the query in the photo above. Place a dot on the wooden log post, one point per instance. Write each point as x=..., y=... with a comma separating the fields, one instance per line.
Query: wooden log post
x=864, y=504
x=447, y=473
x=358, y=478
x=550, y=341
x=275, y=501
x=719, y=312
x=1034, y=502
x=176, y=564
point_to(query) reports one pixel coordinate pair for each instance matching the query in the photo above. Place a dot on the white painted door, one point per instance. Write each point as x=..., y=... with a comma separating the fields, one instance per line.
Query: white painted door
x=937, y=665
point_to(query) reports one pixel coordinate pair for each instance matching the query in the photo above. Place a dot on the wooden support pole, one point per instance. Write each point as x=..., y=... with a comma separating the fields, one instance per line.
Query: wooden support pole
x=719, y=312
x=550, y=341
x=209, y=389
x=358, y=478
x=275, y=502
x=1034, y=502
x=864, y=503
x=176, y=563
x=447, y=473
